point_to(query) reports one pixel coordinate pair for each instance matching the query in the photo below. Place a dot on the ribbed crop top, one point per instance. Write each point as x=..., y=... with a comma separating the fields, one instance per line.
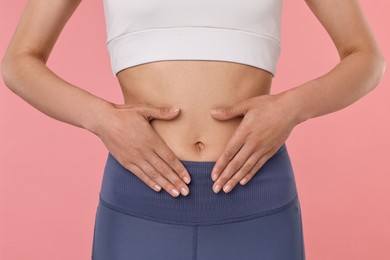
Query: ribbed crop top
x=242, y=31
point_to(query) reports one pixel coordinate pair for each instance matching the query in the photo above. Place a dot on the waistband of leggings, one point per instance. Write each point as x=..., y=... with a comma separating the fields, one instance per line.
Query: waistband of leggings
x=271, y=189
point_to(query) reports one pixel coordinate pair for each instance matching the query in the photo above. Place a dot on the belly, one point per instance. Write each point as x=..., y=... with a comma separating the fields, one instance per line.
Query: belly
x=195, y=87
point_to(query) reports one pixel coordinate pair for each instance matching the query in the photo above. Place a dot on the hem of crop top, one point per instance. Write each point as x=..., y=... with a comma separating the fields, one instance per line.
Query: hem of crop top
x=193, y=43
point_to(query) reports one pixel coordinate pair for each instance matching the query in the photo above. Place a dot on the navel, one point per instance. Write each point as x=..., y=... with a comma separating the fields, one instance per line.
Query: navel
x=199, y=146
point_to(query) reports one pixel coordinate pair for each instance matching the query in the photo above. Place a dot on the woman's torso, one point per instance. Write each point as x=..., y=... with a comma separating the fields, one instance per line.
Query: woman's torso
x=195, y=87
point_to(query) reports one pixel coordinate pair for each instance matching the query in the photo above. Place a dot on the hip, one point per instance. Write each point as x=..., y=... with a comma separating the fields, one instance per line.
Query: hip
x=273, y=236
x=271, y=189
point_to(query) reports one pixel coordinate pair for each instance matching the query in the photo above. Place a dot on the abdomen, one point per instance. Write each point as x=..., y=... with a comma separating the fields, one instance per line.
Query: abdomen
x=196, y=87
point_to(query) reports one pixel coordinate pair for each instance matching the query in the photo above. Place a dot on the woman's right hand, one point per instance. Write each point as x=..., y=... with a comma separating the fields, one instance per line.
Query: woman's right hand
x=129, y=137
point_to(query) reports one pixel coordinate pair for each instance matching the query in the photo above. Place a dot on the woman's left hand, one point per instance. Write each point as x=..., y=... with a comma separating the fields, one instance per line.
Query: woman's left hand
x=267, y=123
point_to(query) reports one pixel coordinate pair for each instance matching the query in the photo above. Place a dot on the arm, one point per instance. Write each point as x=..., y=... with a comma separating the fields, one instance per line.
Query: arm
x=269, y=119
x=25, y=72
x=361, y=67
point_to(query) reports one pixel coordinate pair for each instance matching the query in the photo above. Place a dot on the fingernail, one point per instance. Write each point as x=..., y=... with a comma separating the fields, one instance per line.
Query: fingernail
x=186, y=179
x=176, y=192
x=214, y=176
x=158, y=188
x=216, y=111
x=243, y=181
x=173, y=109
x=227, y=188
x=217, y=188
x=184, y=191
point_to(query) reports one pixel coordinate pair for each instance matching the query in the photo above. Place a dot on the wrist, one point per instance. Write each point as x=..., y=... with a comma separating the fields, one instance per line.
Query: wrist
x=293, y=106
x=99, y=116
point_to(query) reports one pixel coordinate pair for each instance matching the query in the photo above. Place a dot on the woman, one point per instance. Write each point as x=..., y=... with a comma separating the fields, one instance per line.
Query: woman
x=161, y=191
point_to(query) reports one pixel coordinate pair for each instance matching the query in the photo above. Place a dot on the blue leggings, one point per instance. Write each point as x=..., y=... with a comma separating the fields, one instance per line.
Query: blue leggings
x=258, y=221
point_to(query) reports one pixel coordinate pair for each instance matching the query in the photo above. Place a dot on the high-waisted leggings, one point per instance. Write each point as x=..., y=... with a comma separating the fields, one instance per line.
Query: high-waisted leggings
x=258, y=221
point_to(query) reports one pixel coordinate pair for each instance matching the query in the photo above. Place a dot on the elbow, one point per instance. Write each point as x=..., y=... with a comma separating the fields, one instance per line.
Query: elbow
x=4, y=72
x=12, y=67
x=7, y=71
x=374, y=63
x=16, y=67
x=382, y=67
x=379, y=67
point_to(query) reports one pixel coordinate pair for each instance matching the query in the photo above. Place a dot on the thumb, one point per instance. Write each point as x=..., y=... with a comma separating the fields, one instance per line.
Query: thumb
x=228, y=112
x=166, y=113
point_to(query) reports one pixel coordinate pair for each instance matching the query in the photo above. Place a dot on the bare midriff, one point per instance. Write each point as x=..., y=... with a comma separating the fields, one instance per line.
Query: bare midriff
x=196, y=87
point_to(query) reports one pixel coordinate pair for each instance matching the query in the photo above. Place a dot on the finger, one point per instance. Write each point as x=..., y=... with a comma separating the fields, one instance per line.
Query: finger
x=228, y=112
x=151, y=112
x=167, y=172
x=133, y=168
x=170, y=158
x=263, y=159
x=231, y=149
x=242, y=172
x=158, y=178
x=233, y=166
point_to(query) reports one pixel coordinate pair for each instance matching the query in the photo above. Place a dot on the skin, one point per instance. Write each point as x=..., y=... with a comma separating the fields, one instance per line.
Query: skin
x=149, y=141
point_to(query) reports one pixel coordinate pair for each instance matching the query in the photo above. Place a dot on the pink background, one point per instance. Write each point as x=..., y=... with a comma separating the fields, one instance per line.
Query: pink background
x=50, y=172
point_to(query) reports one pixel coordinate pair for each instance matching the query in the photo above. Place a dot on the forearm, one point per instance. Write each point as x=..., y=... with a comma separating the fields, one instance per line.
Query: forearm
x=352, y=78
x=29, y=77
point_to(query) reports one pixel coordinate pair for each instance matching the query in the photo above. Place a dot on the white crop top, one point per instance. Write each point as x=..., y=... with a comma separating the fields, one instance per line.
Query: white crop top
x=242, y=31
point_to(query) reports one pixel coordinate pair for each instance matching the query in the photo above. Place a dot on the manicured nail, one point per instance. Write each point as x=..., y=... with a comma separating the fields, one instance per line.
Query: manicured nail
x=214, y=177
x=176, y=192
x=174, y=109
x=216, y=111
x=184, y=191
x=243, y=181
x=186, y=179
x=217, y=188
x=158, y=188
x=227, y=188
